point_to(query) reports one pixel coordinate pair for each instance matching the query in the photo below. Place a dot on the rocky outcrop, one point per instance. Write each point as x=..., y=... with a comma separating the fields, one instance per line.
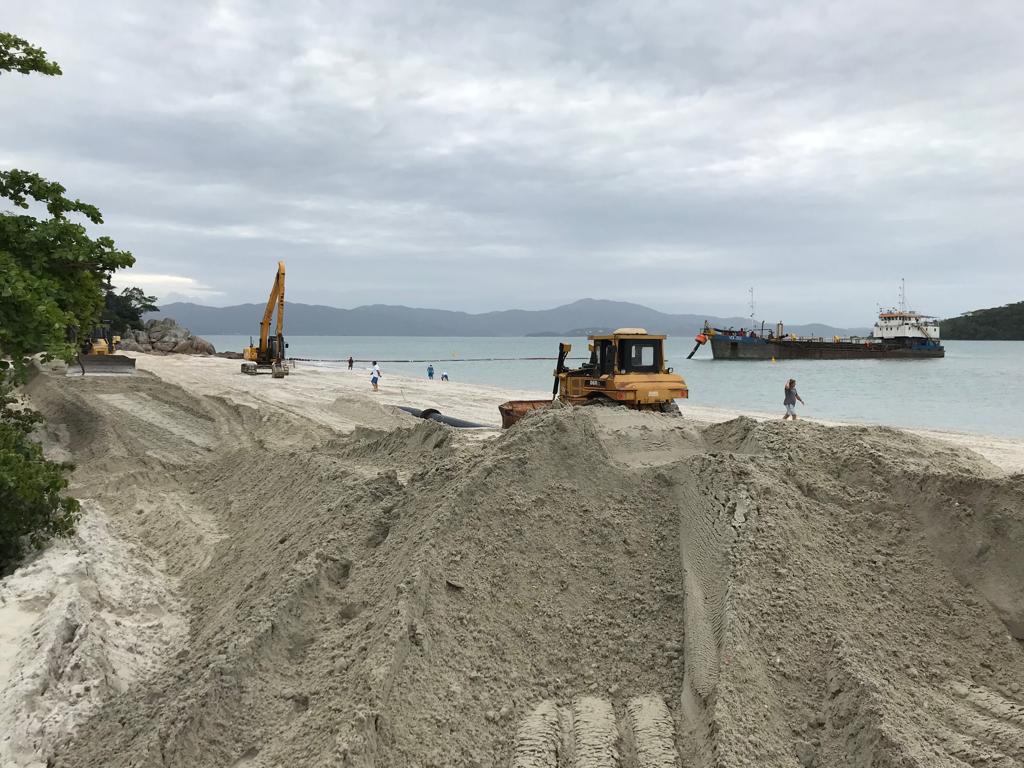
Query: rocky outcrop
x=164, y=336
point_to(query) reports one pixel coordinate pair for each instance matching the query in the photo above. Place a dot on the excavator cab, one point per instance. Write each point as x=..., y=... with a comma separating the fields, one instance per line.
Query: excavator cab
x=270, y=355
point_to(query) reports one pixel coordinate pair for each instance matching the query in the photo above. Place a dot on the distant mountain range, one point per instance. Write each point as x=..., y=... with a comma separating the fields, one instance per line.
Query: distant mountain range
x=388, y=320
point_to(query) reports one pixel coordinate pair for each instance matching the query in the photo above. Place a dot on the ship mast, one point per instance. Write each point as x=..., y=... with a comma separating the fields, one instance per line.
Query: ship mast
x=751, y=304
x=903, y=295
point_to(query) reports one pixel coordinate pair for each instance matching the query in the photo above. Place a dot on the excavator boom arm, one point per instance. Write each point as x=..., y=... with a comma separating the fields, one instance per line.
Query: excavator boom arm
x=276, y=299
x=280, y=299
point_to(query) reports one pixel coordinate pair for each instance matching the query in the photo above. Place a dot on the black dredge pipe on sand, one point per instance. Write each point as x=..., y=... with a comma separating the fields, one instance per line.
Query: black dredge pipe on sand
x=435, y=415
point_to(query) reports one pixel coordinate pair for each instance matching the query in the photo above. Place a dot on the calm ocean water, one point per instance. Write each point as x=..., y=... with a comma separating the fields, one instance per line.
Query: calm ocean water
x=977, y=387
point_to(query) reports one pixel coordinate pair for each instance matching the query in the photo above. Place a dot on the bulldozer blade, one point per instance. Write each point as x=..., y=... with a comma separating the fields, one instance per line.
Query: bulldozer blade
x=102, y=365
x=514, y=410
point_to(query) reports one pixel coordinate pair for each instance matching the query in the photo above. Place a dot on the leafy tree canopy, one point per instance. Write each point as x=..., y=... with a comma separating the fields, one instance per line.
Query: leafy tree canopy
x=54, y=278
x=124, y=310
x=55, y=273
x=18, y=55
x=32, y=507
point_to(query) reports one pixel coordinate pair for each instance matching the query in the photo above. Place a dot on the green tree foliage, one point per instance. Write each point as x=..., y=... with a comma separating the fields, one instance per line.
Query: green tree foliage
x=54, y=272
x=124, y=310
x=1004, y=323
x=53, y=278
x=18, y=55
x=32, y=505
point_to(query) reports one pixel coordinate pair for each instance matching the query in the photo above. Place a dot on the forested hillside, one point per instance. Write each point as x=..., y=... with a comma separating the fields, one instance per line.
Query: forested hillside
x=1001, y=323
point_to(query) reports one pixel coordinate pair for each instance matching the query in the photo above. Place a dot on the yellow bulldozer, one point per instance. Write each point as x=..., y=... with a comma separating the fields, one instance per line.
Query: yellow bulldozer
x=269, y=356
x=96, y=354
x=626, y=368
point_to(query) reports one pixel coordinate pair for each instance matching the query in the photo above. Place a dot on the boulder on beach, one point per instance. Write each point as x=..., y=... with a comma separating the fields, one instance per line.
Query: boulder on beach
x=163, y=336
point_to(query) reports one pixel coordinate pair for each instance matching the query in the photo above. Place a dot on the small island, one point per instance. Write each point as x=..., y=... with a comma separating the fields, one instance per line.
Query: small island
x=1004, y=323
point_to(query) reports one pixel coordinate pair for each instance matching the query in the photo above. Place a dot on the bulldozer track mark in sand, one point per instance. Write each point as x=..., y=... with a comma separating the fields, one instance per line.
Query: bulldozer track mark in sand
x=988, y=720
x=595, y=732
x=586, y=734
x=166, y=417
x=539, y=738
x=990, y=703
x=651, y=733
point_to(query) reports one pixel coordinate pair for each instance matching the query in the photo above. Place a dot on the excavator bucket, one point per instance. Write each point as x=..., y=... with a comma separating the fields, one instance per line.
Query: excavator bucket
x=102, y=365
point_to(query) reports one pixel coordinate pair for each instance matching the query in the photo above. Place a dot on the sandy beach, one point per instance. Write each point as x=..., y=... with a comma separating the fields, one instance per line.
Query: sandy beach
x=294, y=572
x=311, y=393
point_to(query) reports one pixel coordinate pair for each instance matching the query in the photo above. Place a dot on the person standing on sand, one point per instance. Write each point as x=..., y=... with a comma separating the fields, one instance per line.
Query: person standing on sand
x=430, y=371
x=791, y=396
x=350, y=361
x=375, y=375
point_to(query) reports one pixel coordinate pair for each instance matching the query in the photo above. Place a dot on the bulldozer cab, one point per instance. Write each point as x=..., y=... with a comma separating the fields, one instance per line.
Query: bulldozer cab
x=619, y=354
x=643, y=355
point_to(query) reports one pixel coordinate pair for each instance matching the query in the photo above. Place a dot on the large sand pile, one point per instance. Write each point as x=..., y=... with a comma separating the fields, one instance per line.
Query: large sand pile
x=590, y=588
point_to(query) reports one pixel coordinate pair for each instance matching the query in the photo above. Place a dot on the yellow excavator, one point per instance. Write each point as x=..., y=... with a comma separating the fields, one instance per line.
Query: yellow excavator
x=626, y=368
x=269, y=356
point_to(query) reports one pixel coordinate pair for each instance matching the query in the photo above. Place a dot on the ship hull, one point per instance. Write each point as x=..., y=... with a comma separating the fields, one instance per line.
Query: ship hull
x=724, y=347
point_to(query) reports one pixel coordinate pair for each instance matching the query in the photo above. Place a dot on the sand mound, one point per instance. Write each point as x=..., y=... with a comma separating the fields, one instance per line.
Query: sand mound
x=589, y=588
x=97, y=618
x=359, y=411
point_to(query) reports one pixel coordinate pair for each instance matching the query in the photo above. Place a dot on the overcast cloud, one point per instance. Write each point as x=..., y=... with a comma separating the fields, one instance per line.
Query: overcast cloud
x=488, y=155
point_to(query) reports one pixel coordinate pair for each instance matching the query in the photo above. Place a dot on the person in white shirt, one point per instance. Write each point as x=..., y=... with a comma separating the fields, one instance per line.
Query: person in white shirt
x=375, y=375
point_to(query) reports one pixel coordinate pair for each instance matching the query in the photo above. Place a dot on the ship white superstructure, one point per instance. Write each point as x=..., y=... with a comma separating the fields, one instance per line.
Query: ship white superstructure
x=904, y=324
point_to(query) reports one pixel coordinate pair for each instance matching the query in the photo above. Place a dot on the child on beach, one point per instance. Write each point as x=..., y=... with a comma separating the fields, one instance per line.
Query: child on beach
x=444, y=375
x=430, y=371
x=790, y=398
x=375, y=375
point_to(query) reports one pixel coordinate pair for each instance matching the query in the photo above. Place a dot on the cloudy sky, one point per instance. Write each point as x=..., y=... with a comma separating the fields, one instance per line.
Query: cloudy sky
x=487, y=155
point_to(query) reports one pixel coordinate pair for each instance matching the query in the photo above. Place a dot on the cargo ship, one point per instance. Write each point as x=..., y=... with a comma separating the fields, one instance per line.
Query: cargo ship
x=899, y=334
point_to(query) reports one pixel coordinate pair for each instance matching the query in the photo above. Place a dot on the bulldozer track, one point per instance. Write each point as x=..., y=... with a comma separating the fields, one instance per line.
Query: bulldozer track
x=588, y=734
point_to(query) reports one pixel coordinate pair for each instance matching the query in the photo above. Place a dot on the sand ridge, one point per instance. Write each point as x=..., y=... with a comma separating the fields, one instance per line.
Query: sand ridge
x=589, y=588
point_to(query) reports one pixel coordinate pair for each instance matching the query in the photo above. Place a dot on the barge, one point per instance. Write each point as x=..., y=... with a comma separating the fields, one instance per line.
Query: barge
x=898, y=334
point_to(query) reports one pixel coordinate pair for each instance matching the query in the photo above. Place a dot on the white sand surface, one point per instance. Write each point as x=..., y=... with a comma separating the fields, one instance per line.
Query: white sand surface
x=80, y=622
x=314, y=392
x=290, y=572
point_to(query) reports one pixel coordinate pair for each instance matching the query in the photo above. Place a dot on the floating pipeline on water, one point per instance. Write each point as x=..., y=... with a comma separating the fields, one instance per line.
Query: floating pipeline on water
x=426, y=359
